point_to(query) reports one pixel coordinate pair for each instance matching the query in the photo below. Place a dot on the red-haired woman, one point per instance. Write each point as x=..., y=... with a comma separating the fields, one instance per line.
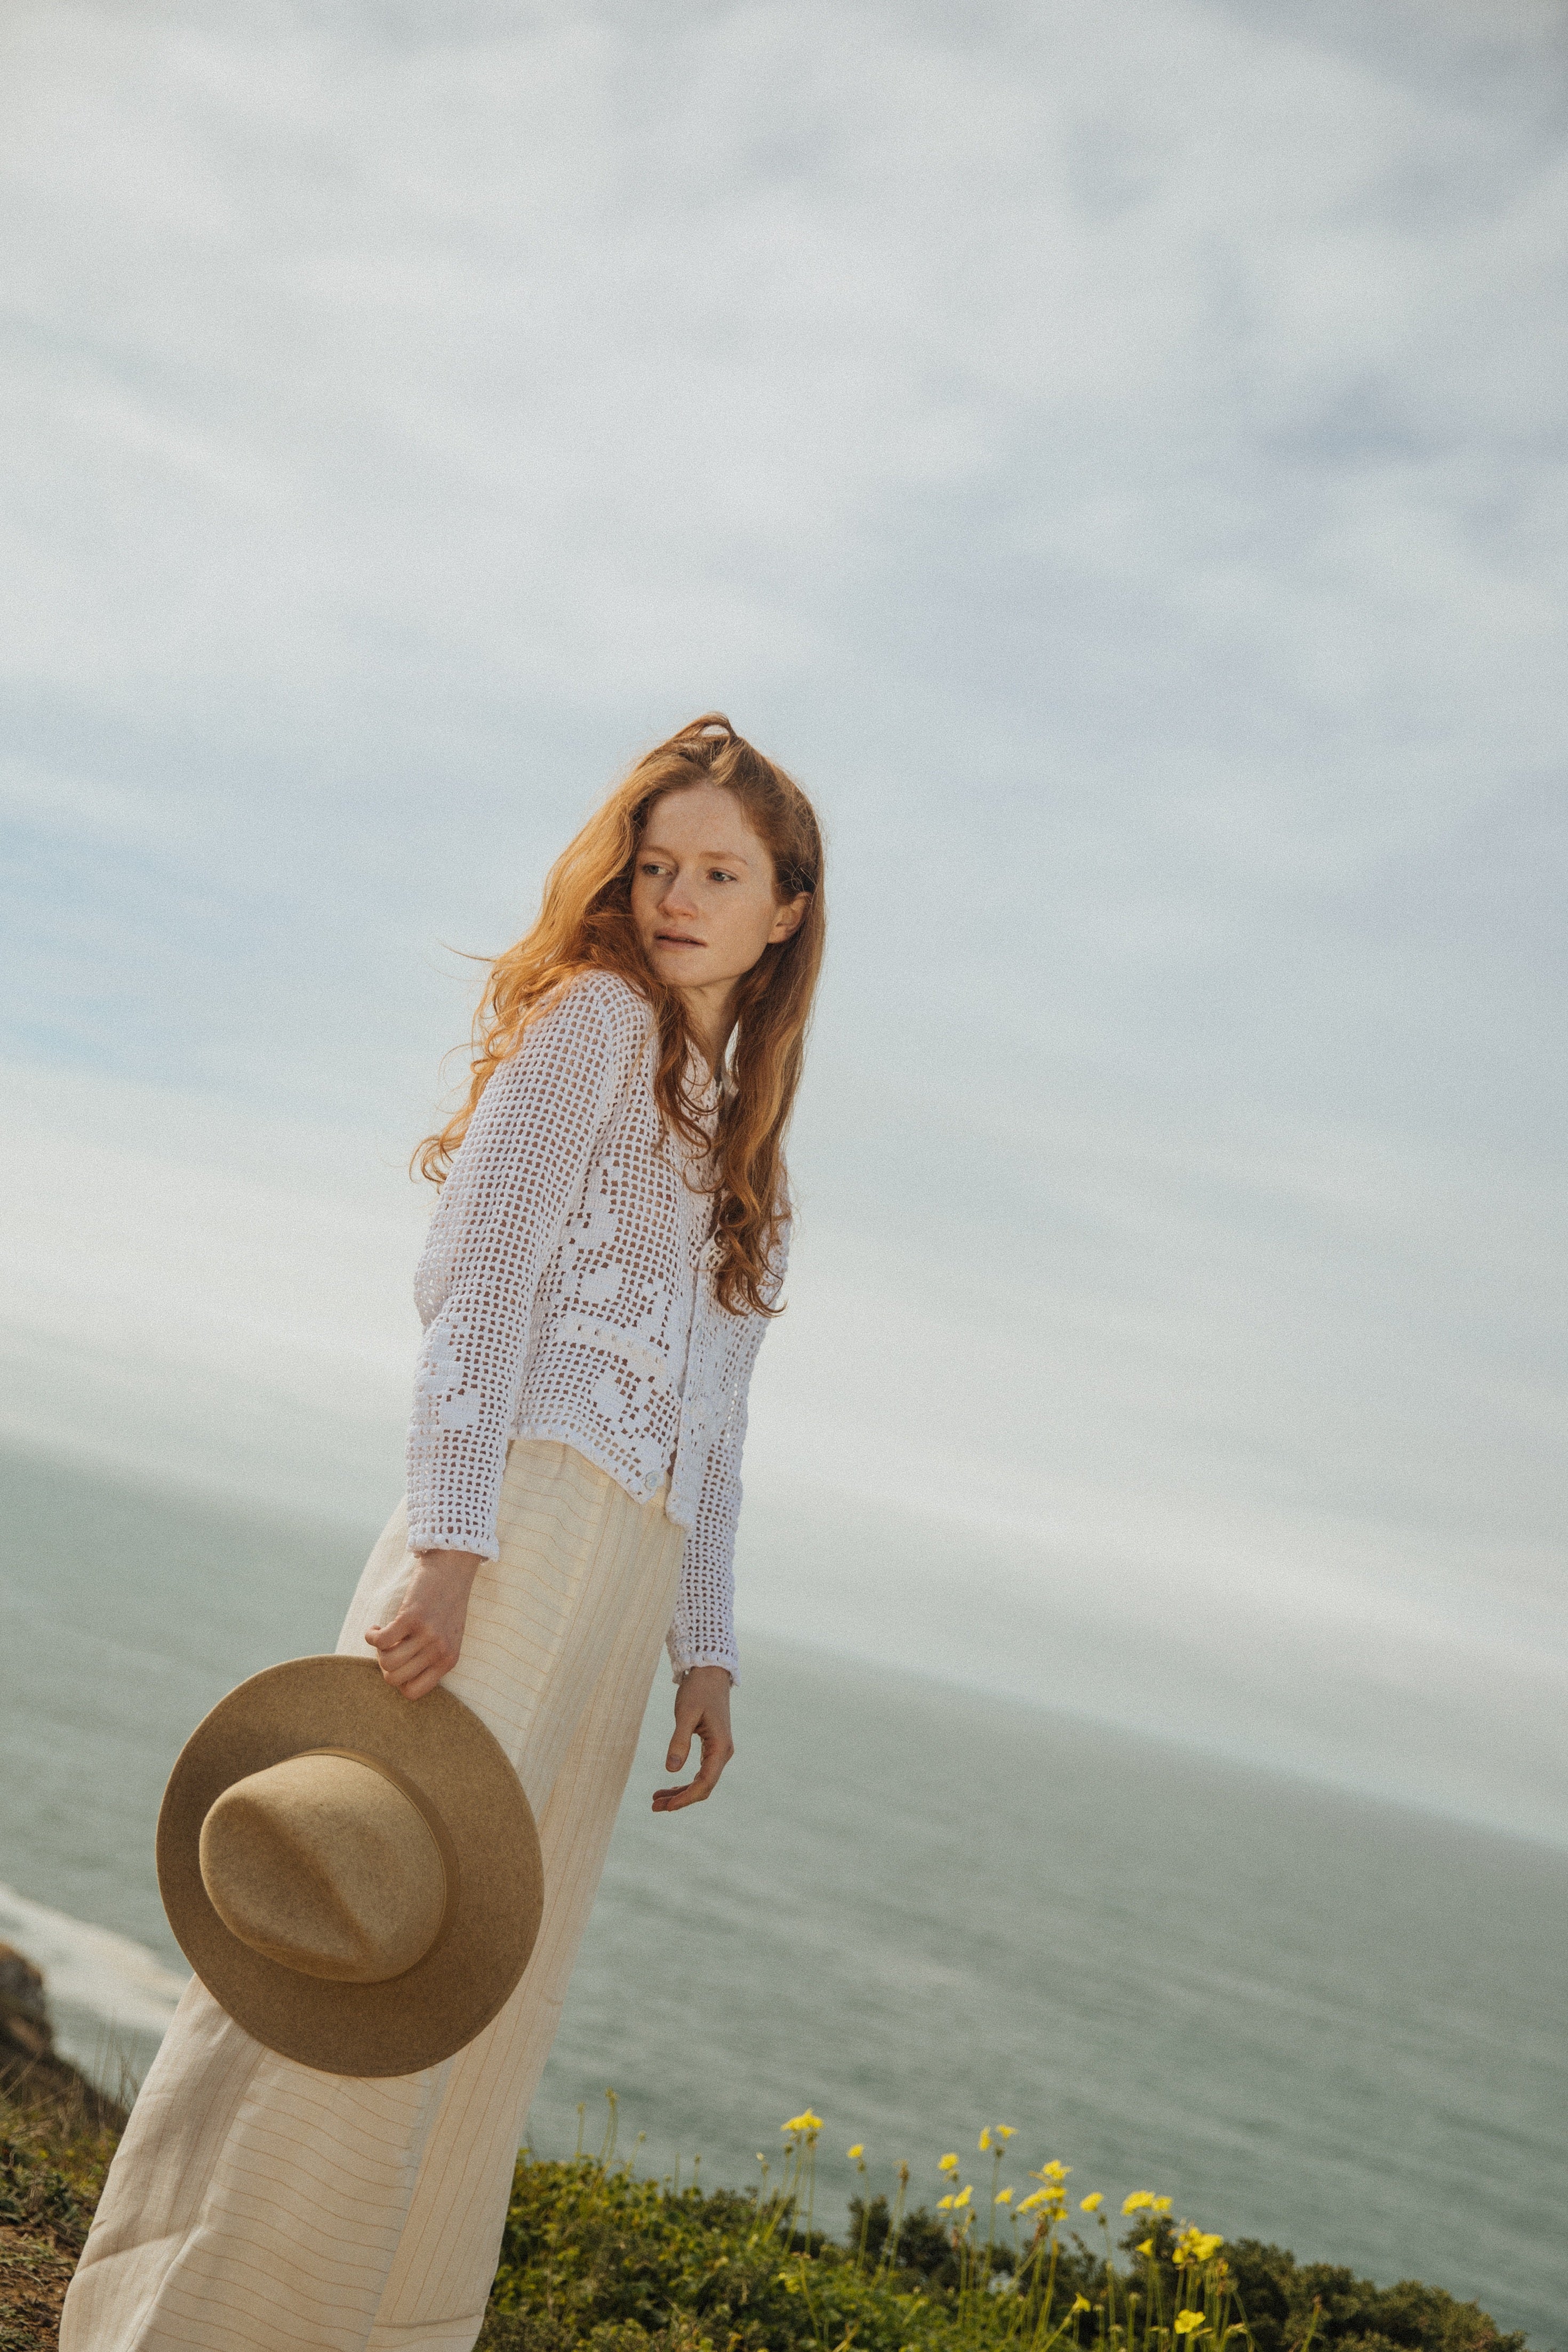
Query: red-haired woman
x=608, y=1246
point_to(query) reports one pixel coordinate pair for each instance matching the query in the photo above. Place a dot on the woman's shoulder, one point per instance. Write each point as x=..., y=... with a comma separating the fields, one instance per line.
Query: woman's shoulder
x=582, y=1045
x=613, y=996
x=598, y=1004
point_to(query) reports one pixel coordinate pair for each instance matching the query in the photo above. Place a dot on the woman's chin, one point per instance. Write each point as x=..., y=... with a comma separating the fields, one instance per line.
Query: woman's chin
x=677, y=970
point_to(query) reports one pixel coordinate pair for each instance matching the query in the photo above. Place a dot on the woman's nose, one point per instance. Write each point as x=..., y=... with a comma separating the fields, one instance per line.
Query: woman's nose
x=679, y=896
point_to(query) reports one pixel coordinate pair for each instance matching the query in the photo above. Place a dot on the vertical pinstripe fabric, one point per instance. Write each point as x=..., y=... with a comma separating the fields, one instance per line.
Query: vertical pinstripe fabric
x=256, y=2206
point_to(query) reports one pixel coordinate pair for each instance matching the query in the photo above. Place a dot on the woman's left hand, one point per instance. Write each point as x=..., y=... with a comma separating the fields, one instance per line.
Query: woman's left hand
x=425, y=1640
x=701, y=1712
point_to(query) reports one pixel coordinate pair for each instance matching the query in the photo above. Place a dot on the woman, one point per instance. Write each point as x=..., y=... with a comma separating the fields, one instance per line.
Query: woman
x=607, y=1250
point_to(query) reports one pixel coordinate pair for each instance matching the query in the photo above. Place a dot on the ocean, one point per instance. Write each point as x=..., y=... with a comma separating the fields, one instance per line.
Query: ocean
x=1327, y=2021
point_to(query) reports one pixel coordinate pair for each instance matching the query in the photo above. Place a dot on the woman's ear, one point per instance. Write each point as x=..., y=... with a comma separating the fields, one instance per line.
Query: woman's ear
x=788, y=919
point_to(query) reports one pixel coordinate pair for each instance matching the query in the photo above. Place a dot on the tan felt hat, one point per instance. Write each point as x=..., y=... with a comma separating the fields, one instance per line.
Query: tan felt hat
x=354, y=1875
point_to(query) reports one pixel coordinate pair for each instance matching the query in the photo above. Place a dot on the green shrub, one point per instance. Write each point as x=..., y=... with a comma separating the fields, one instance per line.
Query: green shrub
x=595, y=2260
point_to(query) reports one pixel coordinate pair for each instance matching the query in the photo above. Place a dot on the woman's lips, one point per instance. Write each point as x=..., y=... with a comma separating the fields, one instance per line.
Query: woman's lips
x=678, y=940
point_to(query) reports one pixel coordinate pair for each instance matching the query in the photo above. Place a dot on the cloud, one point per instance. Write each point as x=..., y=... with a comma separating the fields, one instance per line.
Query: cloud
x=201, y=1293
x=1118, y=460
x=535, y=354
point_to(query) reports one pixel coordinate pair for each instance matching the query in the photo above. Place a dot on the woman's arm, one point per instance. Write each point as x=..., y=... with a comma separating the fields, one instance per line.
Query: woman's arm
x=703, y=1631
x=702, y=1636
x=516, y=1178
x=519, y=1173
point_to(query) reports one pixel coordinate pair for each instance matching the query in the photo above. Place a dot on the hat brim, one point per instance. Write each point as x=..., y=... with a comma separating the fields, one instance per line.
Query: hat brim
x=460, y=1771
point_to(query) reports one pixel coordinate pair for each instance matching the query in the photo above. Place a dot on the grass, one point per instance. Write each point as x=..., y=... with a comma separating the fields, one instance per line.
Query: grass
x=56, y=2137
x=597, y=2260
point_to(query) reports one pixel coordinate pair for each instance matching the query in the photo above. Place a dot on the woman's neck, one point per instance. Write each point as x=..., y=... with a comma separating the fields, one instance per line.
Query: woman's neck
x=711, y=1016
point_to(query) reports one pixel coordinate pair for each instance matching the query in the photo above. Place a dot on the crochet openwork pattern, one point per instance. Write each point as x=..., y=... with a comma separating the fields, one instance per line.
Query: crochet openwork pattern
x=565, y=1290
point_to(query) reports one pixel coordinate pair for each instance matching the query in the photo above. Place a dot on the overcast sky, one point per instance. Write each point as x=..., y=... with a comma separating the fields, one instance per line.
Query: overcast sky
x=1116, y=458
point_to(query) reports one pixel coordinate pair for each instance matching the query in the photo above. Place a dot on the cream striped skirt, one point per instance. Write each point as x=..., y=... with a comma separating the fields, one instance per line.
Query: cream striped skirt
x=255, y=2203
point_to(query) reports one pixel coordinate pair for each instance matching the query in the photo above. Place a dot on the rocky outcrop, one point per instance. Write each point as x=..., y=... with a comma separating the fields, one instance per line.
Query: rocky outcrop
x=30, y=2065
x=25, y=2028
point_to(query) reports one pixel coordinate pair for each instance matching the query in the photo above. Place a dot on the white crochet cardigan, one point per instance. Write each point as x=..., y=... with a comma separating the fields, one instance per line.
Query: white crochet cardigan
x=565, y=1290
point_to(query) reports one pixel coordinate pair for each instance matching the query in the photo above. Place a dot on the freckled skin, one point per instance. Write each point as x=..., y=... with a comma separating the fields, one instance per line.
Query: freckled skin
x=705, y=902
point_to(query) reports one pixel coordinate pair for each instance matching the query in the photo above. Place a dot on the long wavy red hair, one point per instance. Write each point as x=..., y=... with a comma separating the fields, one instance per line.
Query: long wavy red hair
x=584, y=924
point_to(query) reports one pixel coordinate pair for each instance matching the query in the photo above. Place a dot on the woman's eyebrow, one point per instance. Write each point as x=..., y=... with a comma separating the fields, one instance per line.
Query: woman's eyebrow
x=725, y=857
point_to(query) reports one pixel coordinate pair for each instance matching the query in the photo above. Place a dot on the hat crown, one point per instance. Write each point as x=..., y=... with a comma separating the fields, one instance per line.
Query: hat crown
x=326, y=1864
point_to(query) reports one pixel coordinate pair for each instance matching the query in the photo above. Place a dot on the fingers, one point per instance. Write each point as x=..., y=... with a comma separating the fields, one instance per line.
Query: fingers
x=716, y=1754
x=412, y=1658
x=695, y=1712
x=427, y=1679
x=718, y=1747
x=407, y=1622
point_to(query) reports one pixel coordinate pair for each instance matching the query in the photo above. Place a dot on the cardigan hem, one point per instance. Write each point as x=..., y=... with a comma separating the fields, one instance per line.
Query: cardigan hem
x=638, y=1490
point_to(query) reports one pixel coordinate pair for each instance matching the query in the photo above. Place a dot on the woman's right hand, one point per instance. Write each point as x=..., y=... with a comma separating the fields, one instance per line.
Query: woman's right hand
x=702, y=1713
x=425, y=1640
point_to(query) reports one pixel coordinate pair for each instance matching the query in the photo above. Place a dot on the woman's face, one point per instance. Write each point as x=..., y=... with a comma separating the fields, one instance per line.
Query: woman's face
x=703, y=893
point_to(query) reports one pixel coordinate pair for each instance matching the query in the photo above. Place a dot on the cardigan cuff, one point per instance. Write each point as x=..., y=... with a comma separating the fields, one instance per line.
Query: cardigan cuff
x=421, y=1540
x=681, y=1667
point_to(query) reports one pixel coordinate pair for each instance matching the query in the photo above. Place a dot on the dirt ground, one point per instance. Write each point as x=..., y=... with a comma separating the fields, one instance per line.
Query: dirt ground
x=56, y=2137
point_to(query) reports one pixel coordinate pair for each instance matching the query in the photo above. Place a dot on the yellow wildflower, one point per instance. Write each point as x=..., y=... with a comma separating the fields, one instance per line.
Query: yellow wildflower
x=858, y=2150
x=1002, y=2197
x=1137, y=2201
x=1080, y=2302
x=962, y=2197
x=985, y=2139
x=942, y=2203
x=1029, y=2203
x=1161, y=2204
x=804, y=2122
x=1091, y=2204
x=1189, y=2323
x=948, y=2163
x=1147, y=2247
x=1002, y=2131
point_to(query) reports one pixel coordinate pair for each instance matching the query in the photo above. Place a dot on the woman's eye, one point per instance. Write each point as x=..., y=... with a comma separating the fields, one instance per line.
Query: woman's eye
x=717, y=874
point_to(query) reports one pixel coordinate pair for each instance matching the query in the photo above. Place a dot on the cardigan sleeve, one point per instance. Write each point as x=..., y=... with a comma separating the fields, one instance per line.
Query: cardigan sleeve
x=516, y=1178
x=703, y=1631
